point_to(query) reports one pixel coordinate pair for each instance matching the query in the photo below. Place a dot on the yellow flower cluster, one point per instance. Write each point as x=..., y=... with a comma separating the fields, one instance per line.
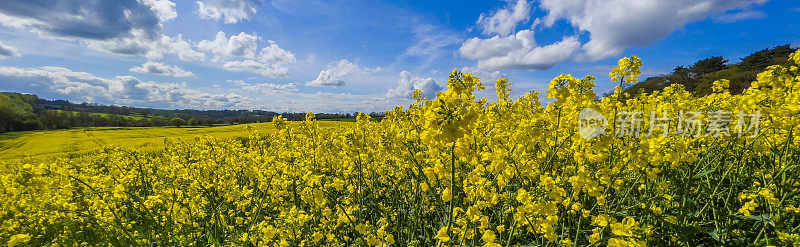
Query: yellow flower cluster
x=454, y=171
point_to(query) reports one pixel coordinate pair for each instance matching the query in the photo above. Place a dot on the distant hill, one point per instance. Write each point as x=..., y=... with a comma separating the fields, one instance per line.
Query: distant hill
x=699, y=77
x=21, y=112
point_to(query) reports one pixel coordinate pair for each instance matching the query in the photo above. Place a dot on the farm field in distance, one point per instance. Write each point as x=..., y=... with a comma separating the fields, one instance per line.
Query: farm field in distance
x=35, y=146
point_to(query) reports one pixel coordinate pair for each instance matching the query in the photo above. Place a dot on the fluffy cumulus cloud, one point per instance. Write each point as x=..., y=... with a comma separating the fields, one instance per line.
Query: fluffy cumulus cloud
x=242, y=45
x=126, y=27
x=518, y=51
x=408, y=84
x=7, y=51
x=615, y=25
x=612, y=27
x=157, y=68
x=334, y=74
x=127, y=90
x=179, y=94
x=271, y=61
x=231, y=11
x=505, y=20
x=164, y=9
x=152, y=49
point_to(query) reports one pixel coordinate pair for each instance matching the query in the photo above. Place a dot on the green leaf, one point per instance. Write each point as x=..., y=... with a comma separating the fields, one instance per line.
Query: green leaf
x=703, y=174
x=714, y=235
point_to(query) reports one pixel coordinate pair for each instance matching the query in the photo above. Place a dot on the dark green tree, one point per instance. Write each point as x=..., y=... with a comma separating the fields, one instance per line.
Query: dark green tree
x=177, y=122
x=158, y=121
x=708, y=65
x=13, y=111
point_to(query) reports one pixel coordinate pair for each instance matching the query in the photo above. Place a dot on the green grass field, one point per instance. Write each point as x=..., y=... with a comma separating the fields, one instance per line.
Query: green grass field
x=38, y=146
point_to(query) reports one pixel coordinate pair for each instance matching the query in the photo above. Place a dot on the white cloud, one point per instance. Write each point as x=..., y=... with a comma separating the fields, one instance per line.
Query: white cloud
x=269, y=88
x=431, y=42
x=118, y=90
x=485, y=75
x=240, y=83
x=517, y=51
x=615, y=25
x=504, y=21
x=125, y=27
x=59, y=80
x=740, y=16
x=274, y=54
x=330, y=102
x=179, y=94
x=165, y=9
x=232, y=11
x=327, y=78
x=176, y=45
x=241, y=45
x=272, y=61
x=264, y=69
x=333, y=75
x=7, y=51
x=408, y=84
x=157, y=68
x=137, y=44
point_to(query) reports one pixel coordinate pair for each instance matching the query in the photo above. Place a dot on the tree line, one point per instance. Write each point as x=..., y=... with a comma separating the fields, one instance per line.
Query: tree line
x=23, y=112
x=700, y=76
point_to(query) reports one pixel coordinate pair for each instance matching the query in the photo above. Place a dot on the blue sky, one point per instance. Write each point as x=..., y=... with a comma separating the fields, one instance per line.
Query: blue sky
x=347, y=56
